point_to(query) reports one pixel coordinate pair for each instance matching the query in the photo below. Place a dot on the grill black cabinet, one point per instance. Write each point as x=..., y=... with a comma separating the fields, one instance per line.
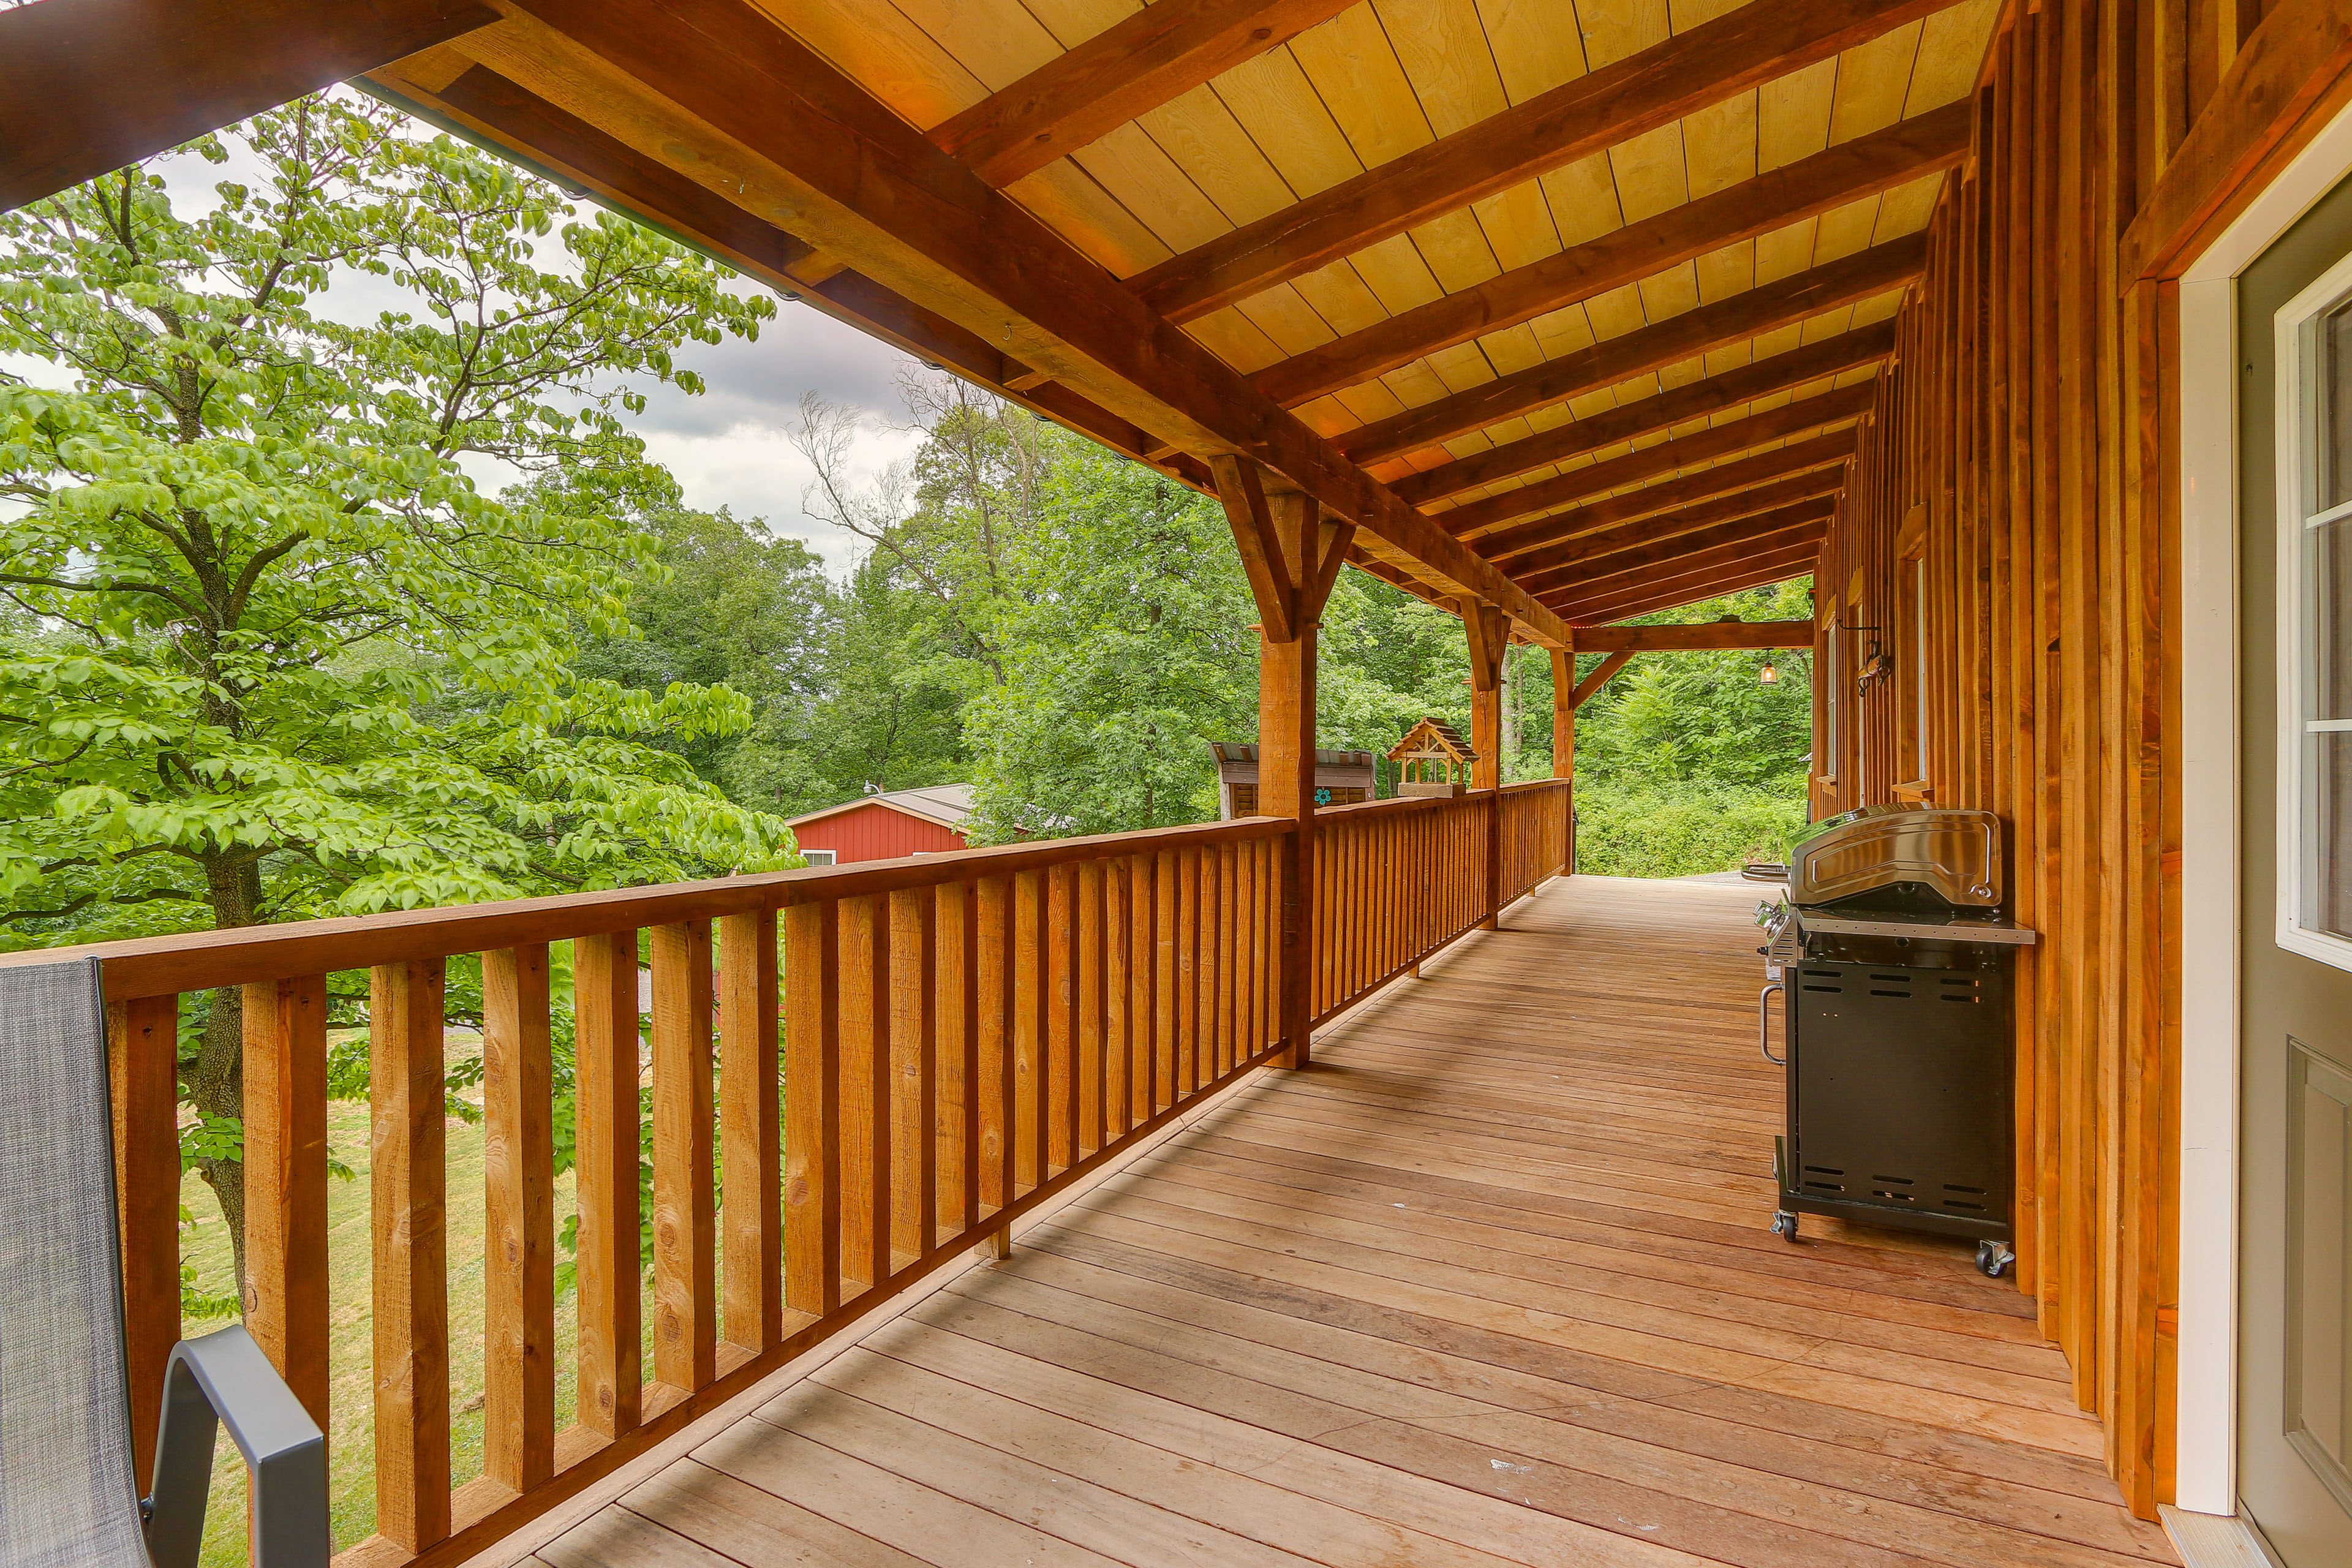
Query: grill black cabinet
x=1895, y=997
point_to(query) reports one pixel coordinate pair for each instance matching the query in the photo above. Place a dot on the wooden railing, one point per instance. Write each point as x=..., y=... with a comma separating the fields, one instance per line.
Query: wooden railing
x=854, y=1075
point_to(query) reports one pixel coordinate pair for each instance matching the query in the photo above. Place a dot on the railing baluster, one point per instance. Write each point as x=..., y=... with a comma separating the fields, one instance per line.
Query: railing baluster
x=1091, y=1038
x=997, y=1094
x=812, y=1108
x=1061, y=1020
x=751, y=1149
x=864, y=963
x=957, y=1010
x=407, y=1181
x=143, y=1051
x=1143, y=991
x=1028, y=1030
x=685, y=1326
x=914, y=1072
x=285, y=1285
x=518, y=1246
x=605, y=989
x=1188, y=964
x=1117, y=1002
x=1228, y=977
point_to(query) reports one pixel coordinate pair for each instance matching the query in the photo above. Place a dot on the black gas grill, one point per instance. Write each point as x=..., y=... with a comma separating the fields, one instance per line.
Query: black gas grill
x=1893, y=958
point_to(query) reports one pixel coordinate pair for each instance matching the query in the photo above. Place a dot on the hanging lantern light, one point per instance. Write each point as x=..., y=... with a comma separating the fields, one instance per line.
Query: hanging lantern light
x=1766, y=675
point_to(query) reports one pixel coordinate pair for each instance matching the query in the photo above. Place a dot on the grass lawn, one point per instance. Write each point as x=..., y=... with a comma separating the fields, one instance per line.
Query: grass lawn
x=351, y=1437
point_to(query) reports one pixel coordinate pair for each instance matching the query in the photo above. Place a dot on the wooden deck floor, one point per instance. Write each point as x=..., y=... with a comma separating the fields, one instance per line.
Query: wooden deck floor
x=1490, y=1284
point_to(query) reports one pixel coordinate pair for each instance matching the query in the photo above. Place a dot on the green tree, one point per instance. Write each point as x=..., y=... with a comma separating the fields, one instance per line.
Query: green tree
x=1128, y=651
x=279, y=655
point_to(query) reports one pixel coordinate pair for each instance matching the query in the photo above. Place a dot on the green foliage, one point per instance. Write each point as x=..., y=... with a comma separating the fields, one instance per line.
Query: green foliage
x=1129, y=652
x=1685, y=762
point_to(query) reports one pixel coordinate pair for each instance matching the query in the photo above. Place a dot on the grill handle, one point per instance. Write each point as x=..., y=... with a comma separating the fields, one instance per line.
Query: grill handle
x=1764, y=1024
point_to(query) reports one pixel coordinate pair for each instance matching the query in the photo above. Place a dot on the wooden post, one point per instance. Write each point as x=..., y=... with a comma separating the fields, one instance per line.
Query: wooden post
x=285, y=1181
x=407, y=1178
x=1292, y=558
x=143, y=1046
x=1490, y=631
x=1563, y=748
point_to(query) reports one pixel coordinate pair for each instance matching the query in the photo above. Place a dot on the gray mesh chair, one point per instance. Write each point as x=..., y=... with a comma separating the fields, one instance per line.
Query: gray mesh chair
x=67, y=1492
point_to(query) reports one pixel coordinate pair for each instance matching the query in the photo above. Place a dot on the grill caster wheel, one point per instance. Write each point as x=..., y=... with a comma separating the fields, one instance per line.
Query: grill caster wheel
x=1993, y=1259
x=1784, y=1225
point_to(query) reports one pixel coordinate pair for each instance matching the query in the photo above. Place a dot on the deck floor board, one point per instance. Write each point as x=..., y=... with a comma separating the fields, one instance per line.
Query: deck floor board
x=1490, y=1284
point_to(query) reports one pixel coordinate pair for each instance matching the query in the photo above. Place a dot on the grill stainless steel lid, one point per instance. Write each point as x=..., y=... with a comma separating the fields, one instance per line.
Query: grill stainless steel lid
x=1918, y=854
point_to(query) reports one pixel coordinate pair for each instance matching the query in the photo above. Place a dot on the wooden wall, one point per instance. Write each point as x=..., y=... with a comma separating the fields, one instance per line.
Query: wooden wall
x=2022, y=447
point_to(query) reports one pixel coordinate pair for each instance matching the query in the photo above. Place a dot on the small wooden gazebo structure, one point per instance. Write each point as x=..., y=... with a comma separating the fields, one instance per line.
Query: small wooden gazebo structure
x=1435, y=759
x=1341, y=778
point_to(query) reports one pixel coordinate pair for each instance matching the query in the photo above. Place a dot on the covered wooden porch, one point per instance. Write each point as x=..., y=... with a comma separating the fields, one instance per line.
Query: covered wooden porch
x=1489, y=1283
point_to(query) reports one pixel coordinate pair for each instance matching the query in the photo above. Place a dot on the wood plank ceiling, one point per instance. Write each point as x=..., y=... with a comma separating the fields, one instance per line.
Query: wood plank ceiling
x=1597, y=289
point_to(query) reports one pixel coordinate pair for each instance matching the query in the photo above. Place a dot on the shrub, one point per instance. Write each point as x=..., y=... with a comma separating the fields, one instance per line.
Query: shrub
x=1682, y=827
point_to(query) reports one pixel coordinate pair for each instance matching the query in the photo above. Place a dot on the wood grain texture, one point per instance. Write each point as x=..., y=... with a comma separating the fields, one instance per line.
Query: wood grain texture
x=1675, y=588
x=1466, y=1294
x=142, y=1048
x=1823, y=457
x=779, y=128
x=751, y=1113
x=1735, y=318
x=1848, y=172
x=604, y=994
x=1705, y=634
x=1622, y=553
x=1645, y=92
x=1732, y=437
x=96, y=85
x=2267, y=104
x=685, y=1207
x=813, y=1216
x=519, y=1244
x=1646, y=415
x=1131, y=67
x=284, y=1025
x=407, y=1188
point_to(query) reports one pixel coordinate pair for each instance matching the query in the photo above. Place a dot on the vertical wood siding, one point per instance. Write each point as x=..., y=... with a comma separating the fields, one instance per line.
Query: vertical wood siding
x=2023, y=446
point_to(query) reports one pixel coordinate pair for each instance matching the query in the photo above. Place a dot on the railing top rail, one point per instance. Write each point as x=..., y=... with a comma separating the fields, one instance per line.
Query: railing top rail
x=199, y=961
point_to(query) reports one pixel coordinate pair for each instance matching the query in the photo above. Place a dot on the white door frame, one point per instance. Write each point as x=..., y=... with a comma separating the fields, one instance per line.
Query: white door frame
x=2207, y=1407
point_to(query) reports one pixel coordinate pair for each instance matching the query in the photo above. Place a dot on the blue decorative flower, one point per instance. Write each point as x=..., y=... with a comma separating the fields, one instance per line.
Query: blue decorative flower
x=1322, y=798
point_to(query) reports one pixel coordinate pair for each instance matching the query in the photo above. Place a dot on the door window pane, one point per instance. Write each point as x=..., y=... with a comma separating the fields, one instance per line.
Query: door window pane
x=2322, y=708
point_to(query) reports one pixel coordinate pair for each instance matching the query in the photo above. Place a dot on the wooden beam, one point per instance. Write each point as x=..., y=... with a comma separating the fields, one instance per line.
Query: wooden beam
x=1848, y=172
x=1659, y=548
x=744, y=109
x=1673, y=593
x=1134, y=66
x=1642, y=92
x=1711, y=395
x=2278, y=92
x=481, y=103
x=1619, y=577
x=1740, y=473
x=1818, y=486
x=1704, y=446
x=1271, y=580
x=1847, y=281
x=88, y=87
x=1705, y=634
x=1592, y=683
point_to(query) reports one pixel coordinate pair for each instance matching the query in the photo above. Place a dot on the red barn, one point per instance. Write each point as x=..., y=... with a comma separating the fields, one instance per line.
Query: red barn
x=885, y=826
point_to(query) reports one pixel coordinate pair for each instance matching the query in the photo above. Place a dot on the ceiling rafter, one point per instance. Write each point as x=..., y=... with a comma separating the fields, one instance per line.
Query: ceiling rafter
x=1820, y=451
x=1716, y=441
x=1732, y=554
x=1655, y=549
x=716, y=90
x=1741, y=50
x=1688, y=636
x=1128, y=69
x=1735, y=318
x=1819, y=486
x=1672, y=594
x=1662, y=411
x=1905, y=151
